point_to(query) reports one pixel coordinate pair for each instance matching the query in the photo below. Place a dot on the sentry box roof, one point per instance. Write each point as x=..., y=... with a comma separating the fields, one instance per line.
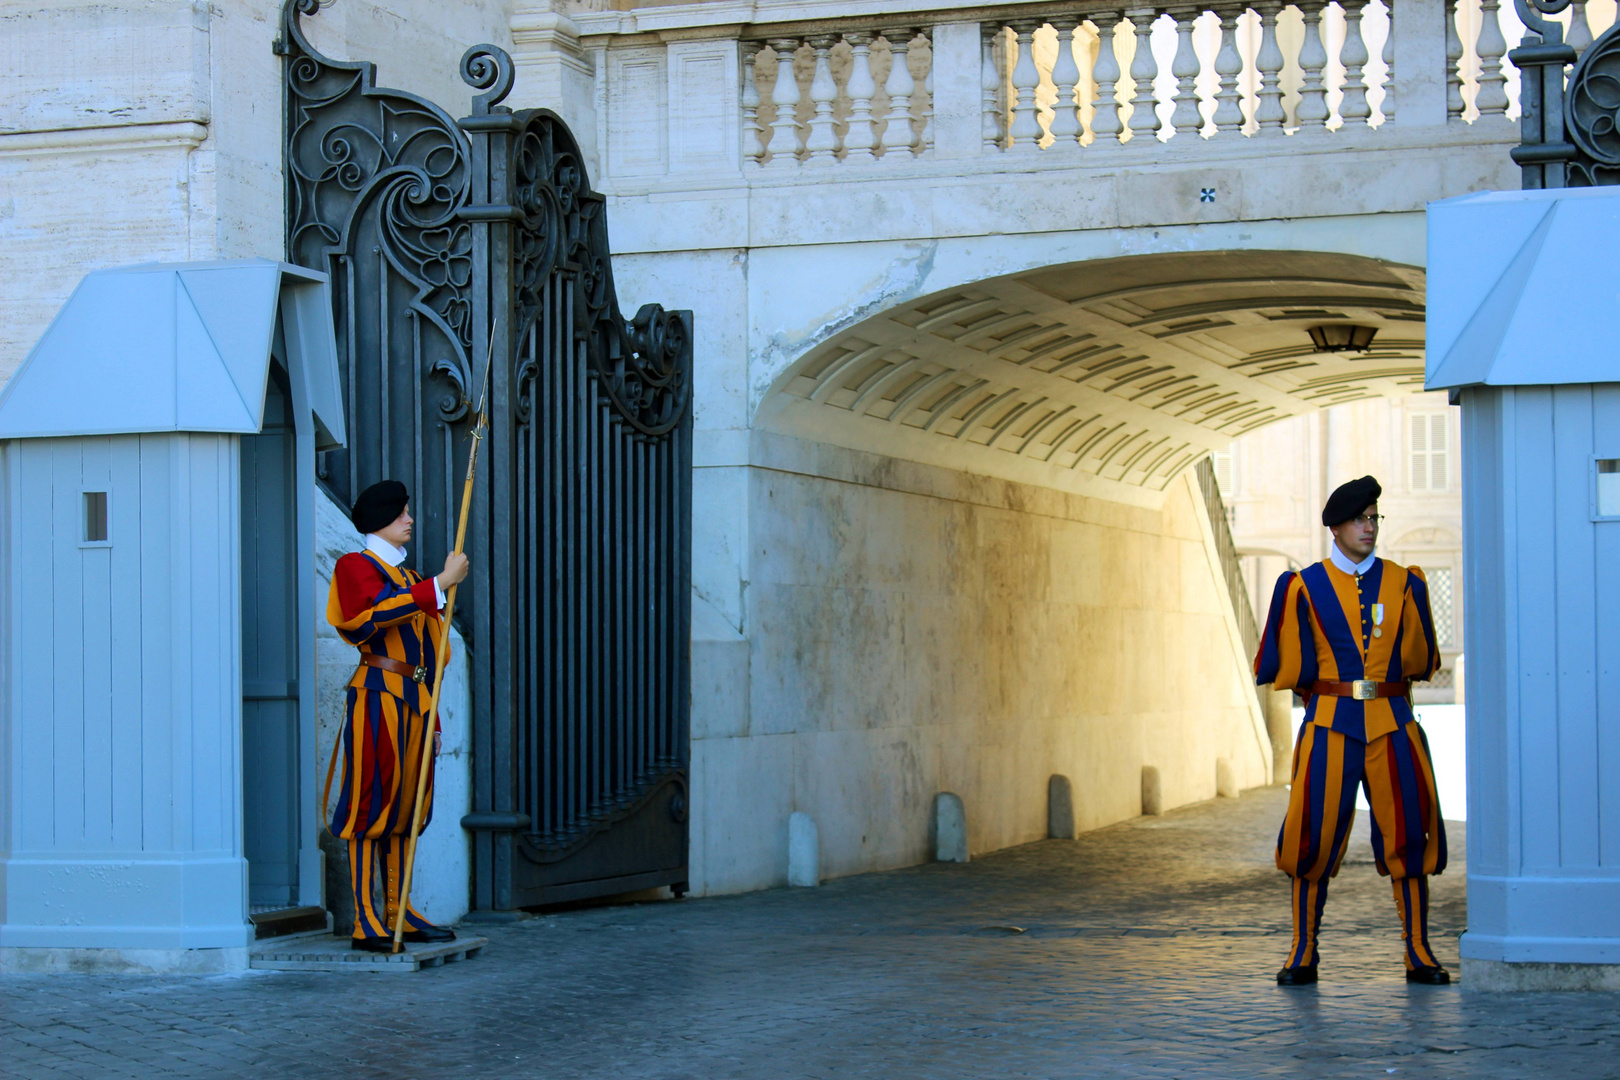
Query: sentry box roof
x=177, y=347
x=1524, y=288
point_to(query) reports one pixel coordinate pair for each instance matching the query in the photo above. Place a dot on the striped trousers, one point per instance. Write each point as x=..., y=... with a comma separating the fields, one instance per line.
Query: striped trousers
x=1408, y=835
x=382, y=754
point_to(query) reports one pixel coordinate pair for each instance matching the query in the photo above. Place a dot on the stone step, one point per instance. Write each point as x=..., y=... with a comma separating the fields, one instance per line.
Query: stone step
x=325, y=952
x=288, y=921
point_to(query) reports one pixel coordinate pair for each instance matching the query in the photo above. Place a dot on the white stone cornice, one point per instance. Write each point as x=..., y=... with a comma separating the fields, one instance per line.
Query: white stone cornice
x=718, y=17
x=546, y=30
x=110, y=137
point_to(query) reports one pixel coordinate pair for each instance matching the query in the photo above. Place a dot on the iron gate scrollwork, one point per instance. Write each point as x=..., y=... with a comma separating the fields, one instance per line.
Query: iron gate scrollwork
x=446, y=239
x=1570, y=130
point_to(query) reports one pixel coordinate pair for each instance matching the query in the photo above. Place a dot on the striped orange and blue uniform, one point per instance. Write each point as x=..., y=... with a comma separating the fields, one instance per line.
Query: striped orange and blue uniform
x=1321, y=627
x=391, y=612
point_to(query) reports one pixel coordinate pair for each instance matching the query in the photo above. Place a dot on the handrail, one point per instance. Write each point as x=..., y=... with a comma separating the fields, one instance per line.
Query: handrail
x=1236, y=589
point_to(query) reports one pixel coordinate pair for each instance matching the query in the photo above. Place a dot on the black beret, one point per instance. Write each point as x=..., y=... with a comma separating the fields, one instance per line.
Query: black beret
x=1349, y=500
x=379, y=505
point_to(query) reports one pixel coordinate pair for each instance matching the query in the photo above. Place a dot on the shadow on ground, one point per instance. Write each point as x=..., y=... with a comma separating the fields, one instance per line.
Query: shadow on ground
x=1143, y=950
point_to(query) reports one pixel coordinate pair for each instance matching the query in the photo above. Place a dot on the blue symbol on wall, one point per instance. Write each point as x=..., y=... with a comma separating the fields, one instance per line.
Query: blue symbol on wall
x=1206, y=194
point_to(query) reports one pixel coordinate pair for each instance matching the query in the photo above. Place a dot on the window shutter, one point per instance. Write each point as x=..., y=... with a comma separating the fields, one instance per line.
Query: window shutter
x=1418, y=460
x=1439, y=463
x=1223, y=470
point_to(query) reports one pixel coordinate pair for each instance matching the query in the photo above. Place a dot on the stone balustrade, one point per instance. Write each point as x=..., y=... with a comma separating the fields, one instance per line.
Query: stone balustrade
x=1061, y=82
x=767, y=87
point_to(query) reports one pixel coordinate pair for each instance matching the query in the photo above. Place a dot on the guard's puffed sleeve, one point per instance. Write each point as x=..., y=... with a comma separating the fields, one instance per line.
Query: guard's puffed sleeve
x=363, y=601
x=1287, y=653
x=1420, y=648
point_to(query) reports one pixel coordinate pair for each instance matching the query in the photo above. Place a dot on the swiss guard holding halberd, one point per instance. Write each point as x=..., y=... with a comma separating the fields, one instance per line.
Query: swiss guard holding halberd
x=1350, y=634
x=393, y=616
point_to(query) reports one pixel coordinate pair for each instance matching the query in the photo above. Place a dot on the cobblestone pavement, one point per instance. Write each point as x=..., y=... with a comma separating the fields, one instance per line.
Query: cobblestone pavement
x=1148, y=951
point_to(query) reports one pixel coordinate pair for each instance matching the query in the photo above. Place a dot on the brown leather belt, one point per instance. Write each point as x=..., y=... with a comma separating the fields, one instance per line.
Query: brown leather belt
x=1360, y=690
x=399, y=667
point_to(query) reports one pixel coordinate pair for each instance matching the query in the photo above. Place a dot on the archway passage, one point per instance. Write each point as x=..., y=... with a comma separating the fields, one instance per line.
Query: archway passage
x=1106, y=376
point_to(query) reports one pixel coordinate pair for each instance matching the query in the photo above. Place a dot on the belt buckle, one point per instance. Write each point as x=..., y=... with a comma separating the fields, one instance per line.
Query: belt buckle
x=1363, y=689
x=420, y=674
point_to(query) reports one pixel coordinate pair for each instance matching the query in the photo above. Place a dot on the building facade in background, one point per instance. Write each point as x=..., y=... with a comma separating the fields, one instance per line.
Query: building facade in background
x=1276, y=480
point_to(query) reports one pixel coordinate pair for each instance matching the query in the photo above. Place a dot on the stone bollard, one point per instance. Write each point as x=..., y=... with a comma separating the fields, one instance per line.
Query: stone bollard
x=1279, y=705
x=1226, y=785
x=950, y=828
x=1059, y=808
x=1152, y=795
x=804, y=850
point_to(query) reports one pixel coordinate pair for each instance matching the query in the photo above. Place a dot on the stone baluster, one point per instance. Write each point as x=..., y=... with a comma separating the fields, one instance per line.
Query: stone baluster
x=822, y=144
x=1312, y=112
x=1229, y=65
x=1144, y=121
x=995, y=117
x=1065, y=126
x=859, y=140
x=1387, y=106
x=753, y=143
x=1105, y=125
x=1580, y=31
x=899, y=140
x=1353, y=108
x=926, y=140
x=1026, y=127
x=1269, y=115
x=784, y=146
x=1454, y=55
x=1492, y=100
x=1186, y=117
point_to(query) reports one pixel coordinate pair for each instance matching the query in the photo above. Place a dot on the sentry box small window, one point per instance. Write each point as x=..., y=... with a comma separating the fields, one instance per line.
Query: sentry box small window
x=95, y=517
x=1608, y=487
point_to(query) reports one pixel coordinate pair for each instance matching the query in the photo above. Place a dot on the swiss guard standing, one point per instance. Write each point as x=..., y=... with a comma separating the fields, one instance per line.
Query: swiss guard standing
x=1350, y=633
x=392, y=615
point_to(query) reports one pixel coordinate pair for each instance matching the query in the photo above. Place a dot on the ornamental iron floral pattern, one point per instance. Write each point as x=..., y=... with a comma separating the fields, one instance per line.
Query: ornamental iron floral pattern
x=453, y=244
x=1570, y=130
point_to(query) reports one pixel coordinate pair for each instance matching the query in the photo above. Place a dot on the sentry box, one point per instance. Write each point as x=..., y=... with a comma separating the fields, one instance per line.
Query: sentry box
x=157, y=471
x=1523, y=308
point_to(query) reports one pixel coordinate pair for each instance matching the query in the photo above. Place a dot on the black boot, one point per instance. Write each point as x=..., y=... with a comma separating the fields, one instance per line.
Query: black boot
x=1297, y=976
x=430, y=935
x=372, y=944
x=1429, y=976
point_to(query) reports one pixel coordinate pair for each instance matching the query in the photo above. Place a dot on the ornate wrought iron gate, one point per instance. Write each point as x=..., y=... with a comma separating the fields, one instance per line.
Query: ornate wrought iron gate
x=448, y=243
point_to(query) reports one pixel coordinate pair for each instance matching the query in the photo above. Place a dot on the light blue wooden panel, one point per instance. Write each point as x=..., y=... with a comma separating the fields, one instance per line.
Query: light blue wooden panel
x=1484, y=611
x=124, y=528
x=215, y=644
x=1533, y=526
x=67, y=661
x=1575, y=623
x=1606, y=604
x=96, y=645
x=35, y=647
x=159, y=659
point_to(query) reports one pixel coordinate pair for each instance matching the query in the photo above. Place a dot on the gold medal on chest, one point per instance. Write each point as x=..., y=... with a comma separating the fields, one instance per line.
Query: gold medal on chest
x=1378, y=620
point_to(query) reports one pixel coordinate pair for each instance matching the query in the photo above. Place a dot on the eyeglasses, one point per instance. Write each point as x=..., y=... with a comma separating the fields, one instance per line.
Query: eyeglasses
x=1368, y=519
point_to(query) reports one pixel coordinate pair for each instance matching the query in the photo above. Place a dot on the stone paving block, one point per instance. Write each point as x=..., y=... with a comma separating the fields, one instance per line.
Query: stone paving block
x=1147, y=951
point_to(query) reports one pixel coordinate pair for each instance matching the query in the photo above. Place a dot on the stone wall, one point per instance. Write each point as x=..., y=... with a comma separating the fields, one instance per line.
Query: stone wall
x=151, y=131
x=910, y=630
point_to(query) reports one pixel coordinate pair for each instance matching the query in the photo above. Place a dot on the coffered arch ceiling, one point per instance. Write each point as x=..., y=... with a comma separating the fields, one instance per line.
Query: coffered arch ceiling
x=1106, y=377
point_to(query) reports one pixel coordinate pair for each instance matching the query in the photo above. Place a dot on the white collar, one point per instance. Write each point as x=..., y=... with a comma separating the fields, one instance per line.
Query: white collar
x=1337, y=557
x=385, y=551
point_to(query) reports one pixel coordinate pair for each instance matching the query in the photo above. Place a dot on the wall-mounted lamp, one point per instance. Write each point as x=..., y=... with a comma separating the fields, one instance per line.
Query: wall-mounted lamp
x=1342, y=337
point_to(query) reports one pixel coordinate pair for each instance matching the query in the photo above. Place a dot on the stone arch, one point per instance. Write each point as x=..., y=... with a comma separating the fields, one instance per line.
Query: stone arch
x=1104, y=377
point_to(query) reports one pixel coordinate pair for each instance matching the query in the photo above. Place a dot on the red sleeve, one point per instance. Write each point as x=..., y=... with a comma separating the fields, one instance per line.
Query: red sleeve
x=426, y=596
x=358, y=583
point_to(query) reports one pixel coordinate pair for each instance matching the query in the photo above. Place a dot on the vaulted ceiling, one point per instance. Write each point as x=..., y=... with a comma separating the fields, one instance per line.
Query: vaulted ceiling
x=1107, y=377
